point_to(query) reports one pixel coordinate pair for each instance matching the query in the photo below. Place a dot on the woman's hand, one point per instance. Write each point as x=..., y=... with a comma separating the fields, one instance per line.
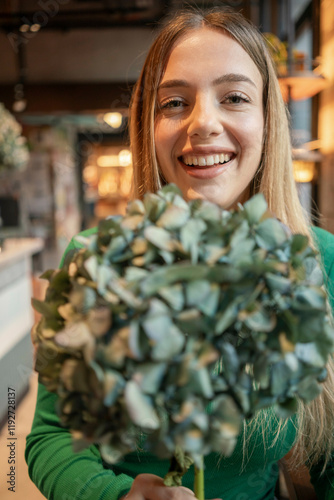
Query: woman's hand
x=151, y=487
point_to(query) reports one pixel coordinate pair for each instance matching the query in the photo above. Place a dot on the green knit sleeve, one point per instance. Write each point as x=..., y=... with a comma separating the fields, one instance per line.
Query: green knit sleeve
x=324, y=482
x=58, y=472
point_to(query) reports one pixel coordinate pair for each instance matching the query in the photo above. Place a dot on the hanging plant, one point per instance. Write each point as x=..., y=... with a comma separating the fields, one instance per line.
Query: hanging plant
x=14, y=153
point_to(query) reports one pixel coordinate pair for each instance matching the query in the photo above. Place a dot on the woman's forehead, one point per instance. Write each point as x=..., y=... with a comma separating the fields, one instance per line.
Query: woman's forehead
x=211, y=51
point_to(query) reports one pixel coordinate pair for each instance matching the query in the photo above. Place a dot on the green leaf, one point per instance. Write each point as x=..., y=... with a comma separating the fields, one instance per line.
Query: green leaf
x=228, y=415
x=113, y=385
x=174, y=217
x=165, y=347
x=255, y=208
x=280, y=376
x=136, y=207
x=140, y=408
x=157, y=321
x=190, y=235
x=242, y=253
x=209, y=304
x=261, y=370
x=91, y=266
x=314, y=274
x=308, y=389
x=240, y=236
x=306, y=298
x=133, y=273
x=308, y=353
x=164, y=276
x=173, y=295
x=299, y=243
x=74, y=376
x=278, y=283
x=138, y=341
x=133, y=222
x=170, y=188
x=49, y=310
x=287, y=408
x=201, y=383
x=196, y=291
x=154, y=206
x=82, y=298
x=116, y=247
x=269, y=234
x=159, y=237
x=104, y=275
x=228, y=316
x=119, y=287
x=149, y=377
x=261, y=321
x=207, y=211
x=230, y=362
x=47, y=275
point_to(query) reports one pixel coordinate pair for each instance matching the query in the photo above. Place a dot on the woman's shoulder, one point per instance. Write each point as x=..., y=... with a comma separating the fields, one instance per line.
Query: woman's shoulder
x=322, y=236
x=325, y=243
x=75, y=242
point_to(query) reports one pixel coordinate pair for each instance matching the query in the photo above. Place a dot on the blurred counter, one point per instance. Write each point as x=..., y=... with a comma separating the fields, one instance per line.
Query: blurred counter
x=16, y=316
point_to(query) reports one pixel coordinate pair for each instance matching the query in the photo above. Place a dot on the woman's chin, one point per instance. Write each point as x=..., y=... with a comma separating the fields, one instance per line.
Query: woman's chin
x=213, y=195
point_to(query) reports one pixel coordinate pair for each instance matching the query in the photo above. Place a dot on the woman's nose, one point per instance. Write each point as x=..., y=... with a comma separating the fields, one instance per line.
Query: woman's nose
x=205, y=120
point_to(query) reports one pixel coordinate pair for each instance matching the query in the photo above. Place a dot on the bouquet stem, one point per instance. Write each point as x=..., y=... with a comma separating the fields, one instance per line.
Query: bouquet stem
x=199, y=481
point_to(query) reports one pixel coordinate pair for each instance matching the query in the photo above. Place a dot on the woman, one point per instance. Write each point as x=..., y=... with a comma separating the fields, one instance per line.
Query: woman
x=207, y=114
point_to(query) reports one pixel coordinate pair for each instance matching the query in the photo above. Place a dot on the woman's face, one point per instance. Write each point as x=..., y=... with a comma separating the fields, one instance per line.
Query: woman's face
x=209, y=123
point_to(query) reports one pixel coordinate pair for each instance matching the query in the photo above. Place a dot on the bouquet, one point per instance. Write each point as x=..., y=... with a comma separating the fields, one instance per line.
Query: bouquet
x=178, y=321
x=13, y=150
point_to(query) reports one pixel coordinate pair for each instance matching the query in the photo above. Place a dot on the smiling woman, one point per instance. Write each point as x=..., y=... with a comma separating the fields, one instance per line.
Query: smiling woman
x=209, y=124
x=208, y=115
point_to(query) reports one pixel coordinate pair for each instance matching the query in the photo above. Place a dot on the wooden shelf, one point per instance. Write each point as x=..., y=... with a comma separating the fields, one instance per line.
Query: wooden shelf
x=301, y=85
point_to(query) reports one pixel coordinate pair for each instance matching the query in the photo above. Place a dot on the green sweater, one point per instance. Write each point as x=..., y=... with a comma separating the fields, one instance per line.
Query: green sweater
x=61, y=474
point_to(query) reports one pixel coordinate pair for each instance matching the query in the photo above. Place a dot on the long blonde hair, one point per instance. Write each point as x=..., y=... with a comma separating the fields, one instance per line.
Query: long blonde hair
x=274, y=177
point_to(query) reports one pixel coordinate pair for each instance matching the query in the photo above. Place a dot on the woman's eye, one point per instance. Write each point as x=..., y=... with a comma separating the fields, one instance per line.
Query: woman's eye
x=171, y=103
x=236, y=99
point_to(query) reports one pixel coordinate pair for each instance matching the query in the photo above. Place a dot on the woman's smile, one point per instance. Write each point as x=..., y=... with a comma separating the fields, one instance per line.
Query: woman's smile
x=206, y=166
x=209, y=121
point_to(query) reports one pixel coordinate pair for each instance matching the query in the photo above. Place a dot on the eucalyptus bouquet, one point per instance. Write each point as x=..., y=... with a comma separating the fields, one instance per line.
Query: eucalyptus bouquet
x=179, y=320
x=13, y=150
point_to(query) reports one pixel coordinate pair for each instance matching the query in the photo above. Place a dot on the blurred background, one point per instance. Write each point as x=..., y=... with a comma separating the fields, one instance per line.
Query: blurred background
x=67, y=68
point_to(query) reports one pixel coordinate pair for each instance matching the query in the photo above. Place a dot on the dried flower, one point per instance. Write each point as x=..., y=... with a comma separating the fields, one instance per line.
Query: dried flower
x=177, y=307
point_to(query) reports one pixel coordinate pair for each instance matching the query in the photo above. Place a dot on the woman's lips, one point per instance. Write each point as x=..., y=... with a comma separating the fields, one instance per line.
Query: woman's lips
x=206, y=171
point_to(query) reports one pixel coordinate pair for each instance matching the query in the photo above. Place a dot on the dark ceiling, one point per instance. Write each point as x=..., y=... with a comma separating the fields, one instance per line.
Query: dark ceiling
x=69, y=55
x=75, y=14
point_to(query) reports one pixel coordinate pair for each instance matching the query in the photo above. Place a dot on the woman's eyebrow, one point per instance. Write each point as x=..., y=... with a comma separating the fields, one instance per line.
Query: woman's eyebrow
x=168, y=84
x=233, y=77
x=228, y=77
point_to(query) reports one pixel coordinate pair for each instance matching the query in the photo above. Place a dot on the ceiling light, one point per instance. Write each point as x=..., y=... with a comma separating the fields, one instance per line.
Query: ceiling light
x=24, y=28
x=125, y=158
x=35, y=27
x=113, y=119
x=108, y=161
x=303, y=171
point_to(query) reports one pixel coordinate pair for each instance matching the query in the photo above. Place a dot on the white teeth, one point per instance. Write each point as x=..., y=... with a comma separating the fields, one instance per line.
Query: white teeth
x=209, y=160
